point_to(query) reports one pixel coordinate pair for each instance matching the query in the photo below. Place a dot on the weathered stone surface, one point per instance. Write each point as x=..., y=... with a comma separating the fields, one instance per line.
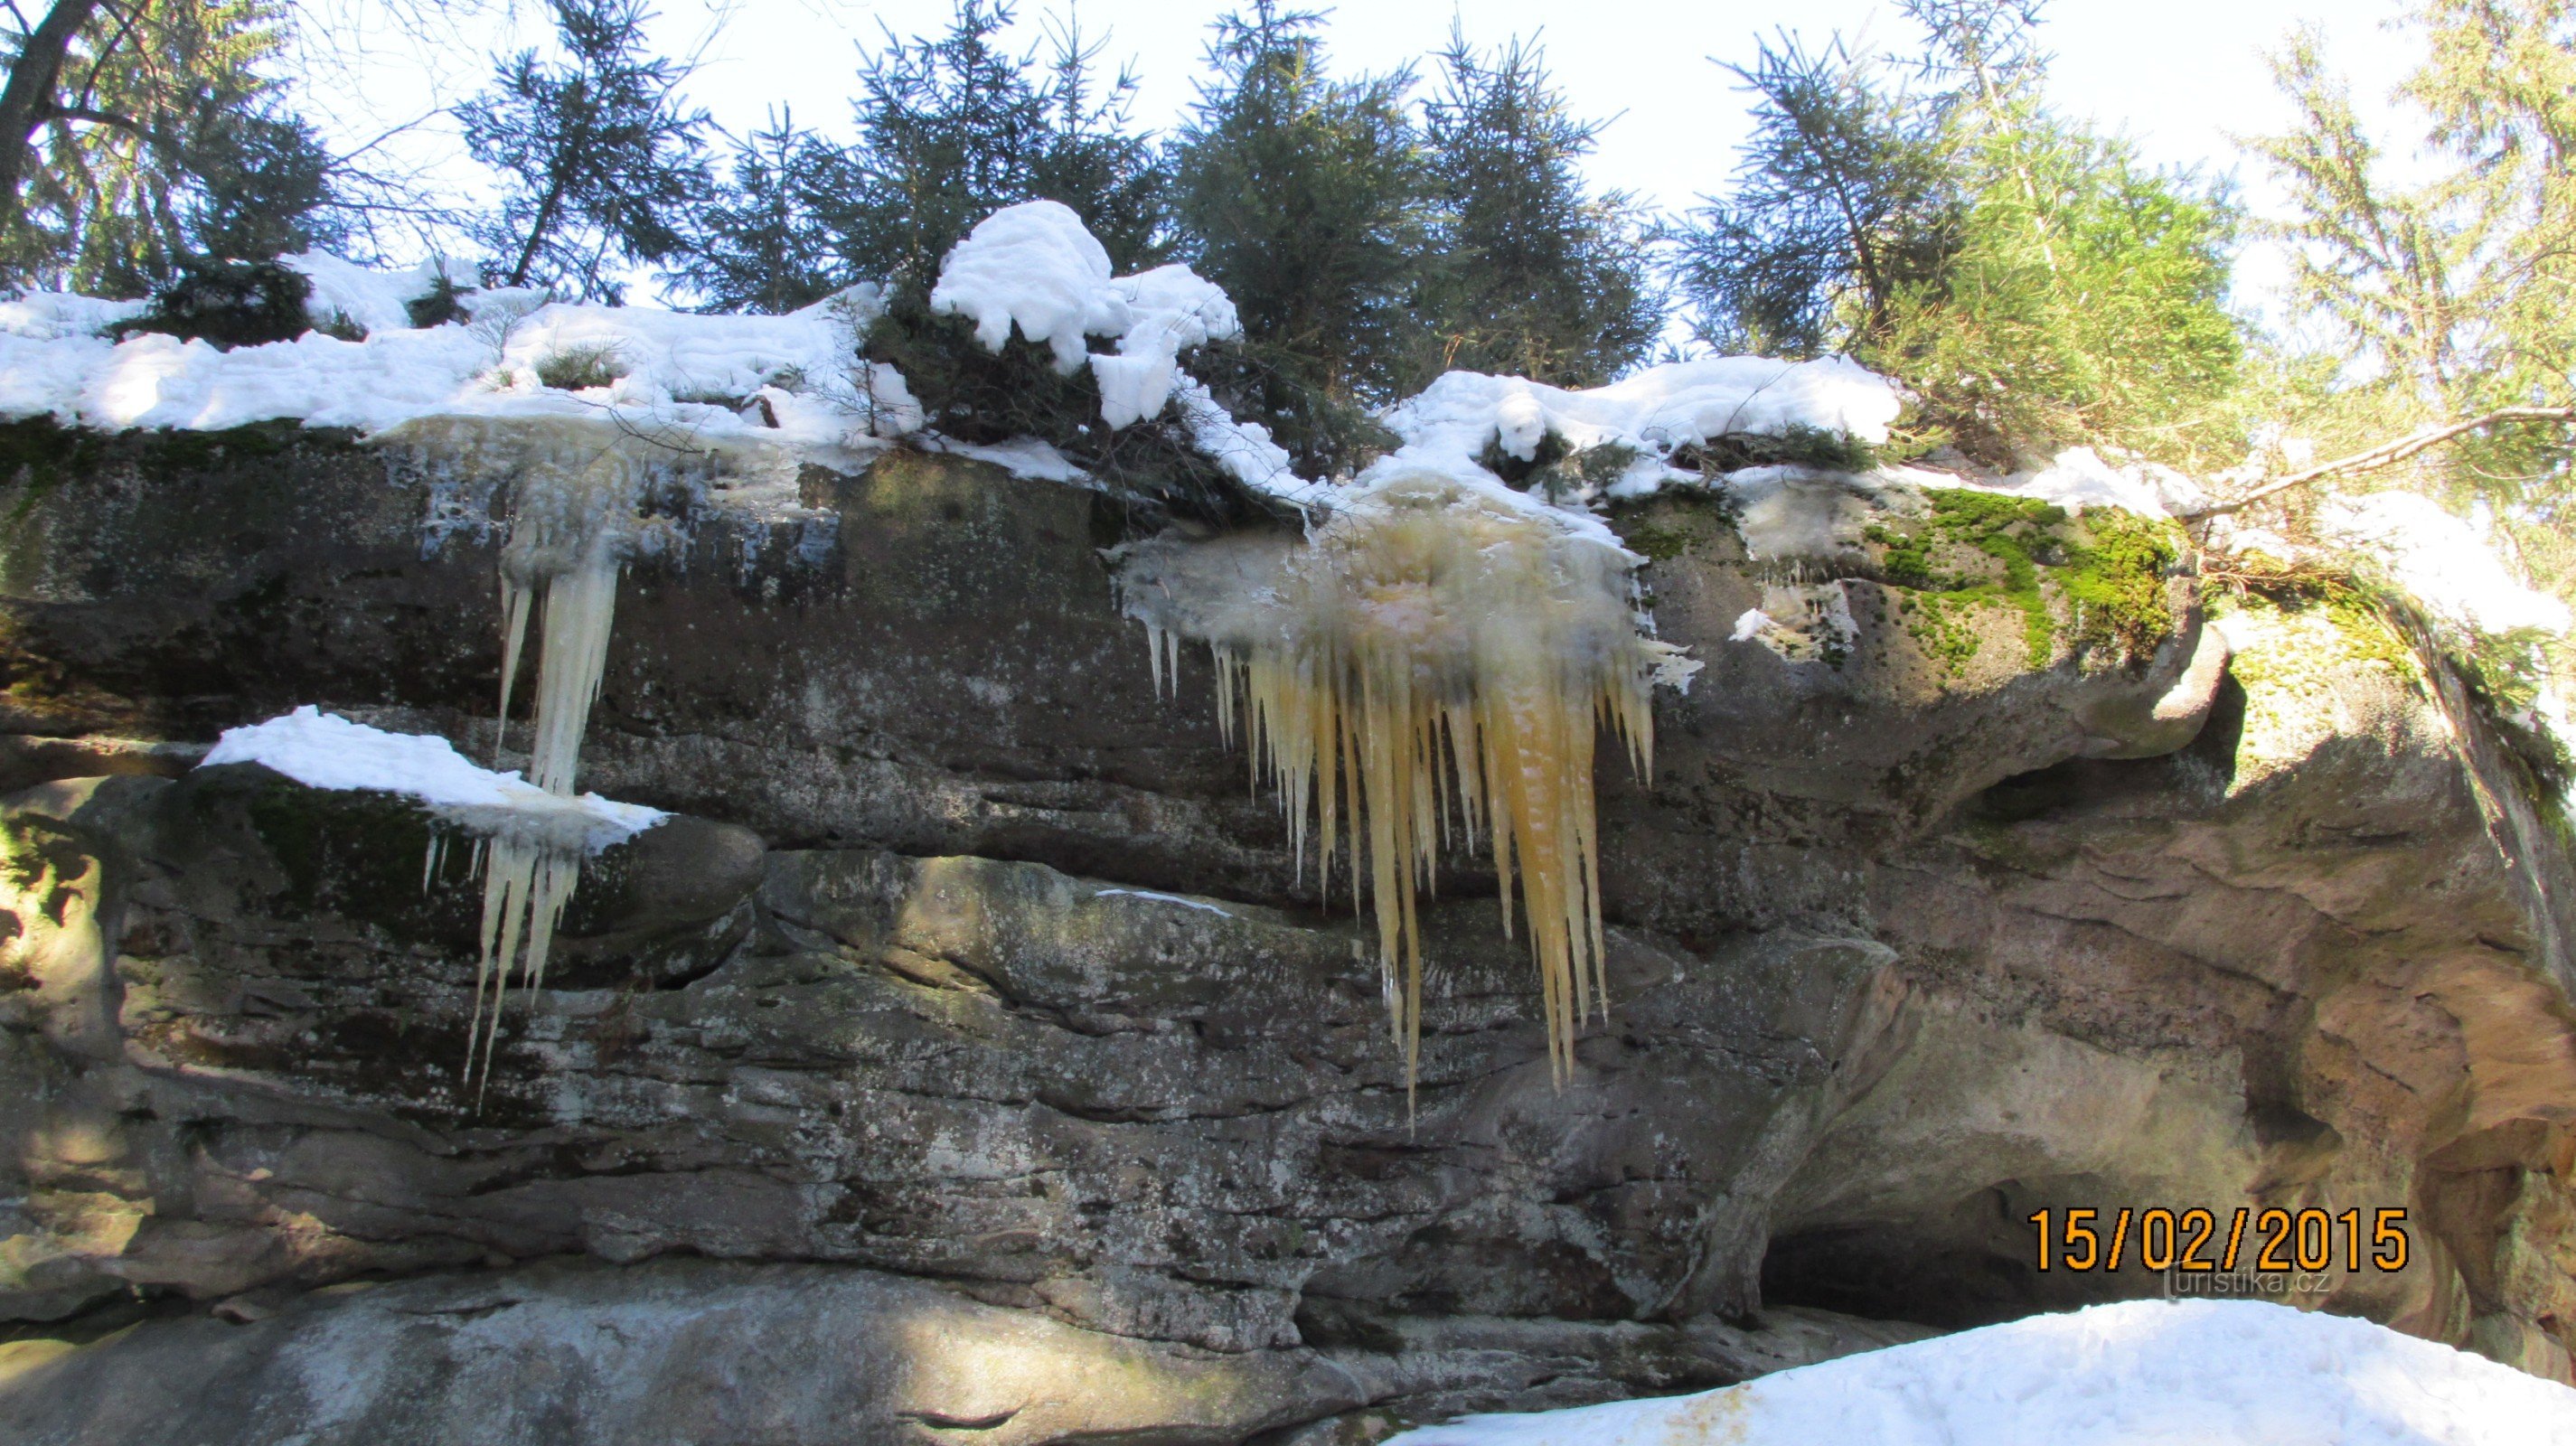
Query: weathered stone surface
x=698, y=1351
x=975, y=963
x=1167, y=1117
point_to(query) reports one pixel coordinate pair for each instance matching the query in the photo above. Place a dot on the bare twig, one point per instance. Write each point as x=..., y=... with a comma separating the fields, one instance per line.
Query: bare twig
x=2388, y=454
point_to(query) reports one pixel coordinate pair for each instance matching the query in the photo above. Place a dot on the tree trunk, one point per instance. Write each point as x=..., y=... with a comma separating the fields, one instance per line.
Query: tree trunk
x=27, y=99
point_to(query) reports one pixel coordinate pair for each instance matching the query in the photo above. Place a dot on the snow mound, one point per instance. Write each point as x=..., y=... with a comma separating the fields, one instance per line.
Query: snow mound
x=2079, y=478
x=2441, y=561
x=319, y=750
x=1450, y=423
x=1034, y=266
x=375, y=300
x=2188, y=1373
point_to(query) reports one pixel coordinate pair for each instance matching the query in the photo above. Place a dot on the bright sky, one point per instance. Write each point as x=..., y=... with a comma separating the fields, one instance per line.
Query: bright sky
x=2179, y=76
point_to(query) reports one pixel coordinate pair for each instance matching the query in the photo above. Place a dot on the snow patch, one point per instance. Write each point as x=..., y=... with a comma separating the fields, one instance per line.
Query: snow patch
x=1654, y=412
x=321, y=750
x=2212, y=1373
x=2079, y=478
x=2441, y=561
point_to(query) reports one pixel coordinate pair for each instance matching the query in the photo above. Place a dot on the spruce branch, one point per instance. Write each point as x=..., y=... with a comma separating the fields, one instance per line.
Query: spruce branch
x=2389, y=454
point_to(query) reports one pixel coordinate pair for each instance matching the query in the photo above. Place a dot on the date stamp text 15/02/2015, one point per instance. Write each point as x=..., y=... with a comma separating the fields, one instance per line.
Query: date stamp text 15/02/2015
x=2190, y=1241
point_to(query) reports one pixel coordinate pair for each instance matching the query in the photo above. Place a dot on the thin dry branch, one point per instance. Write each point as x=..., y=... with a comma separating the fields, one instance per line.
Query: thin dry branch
x=2388, y=454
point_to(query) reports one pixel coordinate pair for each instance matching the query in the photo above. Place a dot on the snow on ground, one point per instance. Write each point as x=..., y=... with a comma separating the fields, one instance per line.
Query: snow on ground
x=320, y=750
x=2171, y=1373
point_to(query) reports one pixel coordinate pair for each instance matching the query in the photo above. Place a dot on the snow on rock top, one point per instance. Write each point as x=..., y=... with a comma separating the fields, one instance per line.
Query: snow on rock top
x=2441, y=561
x=52, y=315
x=375, y=300
x=676, y=369
x=1034, y=266
x=319, y=750
x=1447, y=428
x=2209, y=1373
x=1655, y=411
x=2078, y=478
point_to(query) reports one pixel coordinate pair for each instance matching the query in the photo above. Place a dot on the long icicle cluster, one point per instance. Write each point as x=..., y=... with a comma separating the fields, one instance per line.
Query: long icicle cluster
x=577, y=486
x=1431, y=669
x=574, y=524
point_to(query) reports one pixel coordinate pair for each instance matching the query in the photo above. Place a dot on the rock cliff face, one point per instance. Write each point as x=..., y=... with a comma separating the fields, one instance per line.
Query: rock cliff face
x=973, y=1062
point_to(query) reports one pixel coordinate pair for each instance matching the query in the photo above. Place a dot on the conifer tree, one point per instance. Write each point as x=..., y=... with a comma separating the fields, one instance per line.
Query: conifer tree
x=1841, y=201
x=2031, y=282
x=1527, y=272
x=155, y=133
x=600, y=158
x=2448, y=300
x=1304, y=197
x=2085, y=298
x=2455, y=293
x=953, y=128
x=760, y=243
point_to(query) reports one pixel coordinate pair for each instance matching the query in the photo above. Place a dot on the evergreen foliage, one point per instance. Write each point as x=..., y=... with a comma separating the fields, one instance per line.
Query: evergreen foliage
x=1306, y=198
x=2443, y=300
x=2085, y=298
x=165, y=140
x=2447, y=299
x=2031, y=282
x=760, y=243
x=952, y=129
x=1527, y=273
x=1841, y=201
x=600, y=159
x=229, y=303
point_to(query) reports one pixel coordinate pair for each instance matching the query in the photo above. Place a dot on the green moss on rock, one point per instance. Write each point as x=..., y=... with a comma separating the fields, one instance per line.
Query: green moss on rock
x=2097, y=580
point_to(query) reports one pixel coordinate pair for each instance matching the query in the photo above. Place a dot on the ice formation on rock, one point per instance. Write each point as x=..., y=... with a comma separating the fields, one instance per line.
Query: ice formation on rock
x=1431, y=665
x=530, y=841
x=577, y=493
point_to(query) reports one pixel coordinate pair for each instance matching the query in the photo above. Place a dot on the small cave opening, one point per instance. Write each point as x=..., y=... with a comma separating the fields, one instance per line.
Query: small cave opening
x=1973, y=1265
x=2199, y=772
